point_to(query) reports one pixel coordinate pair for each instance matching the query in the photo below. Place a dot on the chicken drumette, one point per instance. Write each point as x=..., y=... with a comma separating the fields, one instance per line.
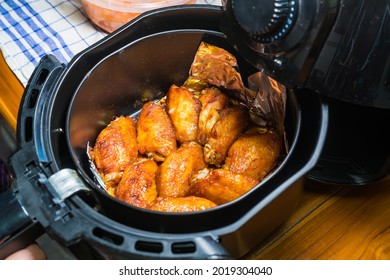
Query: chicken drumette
x=115, y=148
x=183, y=108
x=232, y=121
x=220, y=185
x=155, y=132
x=182, y=204
x=138, y=185
x=175, y=173
x=212, y=100
x=254, y=154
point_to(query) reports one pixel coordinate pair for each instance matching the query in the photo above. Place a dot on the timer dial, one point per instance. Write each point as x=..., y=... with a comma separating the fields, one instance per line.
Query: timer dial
x=265, y=21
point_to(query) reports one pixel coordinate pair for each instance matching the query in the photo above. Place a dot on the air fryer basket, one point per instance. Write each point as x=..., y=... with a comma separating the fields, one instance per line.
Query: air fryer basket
x=72, y=103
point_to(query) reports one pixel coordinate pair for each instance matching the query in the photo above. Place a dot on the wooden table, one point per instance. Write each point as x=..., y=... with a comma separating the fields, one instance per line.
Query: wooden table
x=11, y=91
x=330, y=222
x=334, y=223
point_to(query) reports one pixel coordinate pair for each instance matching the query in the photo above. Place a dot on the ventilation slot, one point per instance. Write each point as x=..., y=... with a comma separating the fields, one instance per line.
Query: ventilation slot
x=183, y=247
x=42, y=76
x=28, y=129
x=108, y=236
x=151, y=247
x=33, y=98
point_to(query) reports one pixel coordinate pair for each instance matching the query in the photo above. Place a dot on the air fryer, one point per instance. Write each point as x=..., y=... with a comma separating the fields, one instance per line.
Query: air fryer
x=64, y=107
x=300, y=46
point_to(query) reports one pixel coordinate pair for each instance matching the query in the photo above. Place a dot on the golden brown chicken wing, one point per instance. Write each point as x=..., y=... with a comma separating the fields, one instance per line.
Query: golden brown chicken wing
x=212, y=100
x=115, y=148
x=182, y=204
x=254, y=154
x=225, y=131
x=156, y=136
x=183, y=108
x=138, y=184
x=220, y=185
x=175, y=173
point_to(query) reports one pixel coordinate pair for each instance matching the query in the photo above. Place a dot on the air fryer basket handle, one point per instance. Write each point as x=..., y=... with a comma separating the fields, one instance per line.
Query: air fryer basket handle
x=12, y=215
x=17, y=229
x=19, y=226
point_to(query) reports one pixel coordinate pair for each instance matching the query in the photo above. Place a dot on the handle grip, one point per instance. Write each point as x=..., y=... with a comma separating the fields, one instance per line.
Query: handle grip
x=5, y=178
x=12, y=215
x=17, y=229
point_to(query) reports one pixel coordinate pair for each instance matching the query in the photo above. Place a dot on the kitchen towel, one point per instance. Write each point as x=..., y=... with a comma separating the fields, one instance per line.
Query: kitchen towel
x=33, y=28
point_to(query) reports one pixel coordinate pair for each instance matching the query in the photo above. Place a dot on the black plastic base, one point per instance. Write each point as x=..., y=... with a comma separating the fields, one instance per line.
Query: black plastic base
x=357, y=145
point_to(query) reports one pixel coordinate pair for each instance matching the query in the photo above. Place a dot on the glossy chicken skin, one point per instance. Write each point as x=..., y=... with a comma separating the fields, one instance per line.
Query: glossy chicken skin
x=183, y=108
x=232, y=122
x=115, y=148
x=220, y=185
x=138, y=185
x=212, y=100
x=182, y=204
x=155, y=132
x=175, y=173
x=254, y=154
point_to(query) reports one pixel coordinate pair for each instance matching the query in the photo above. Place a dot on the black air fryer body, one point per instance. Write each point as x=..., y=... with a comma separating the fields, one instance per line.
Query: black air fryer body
x=339, y=49
x=65, y=106
x=317, y=48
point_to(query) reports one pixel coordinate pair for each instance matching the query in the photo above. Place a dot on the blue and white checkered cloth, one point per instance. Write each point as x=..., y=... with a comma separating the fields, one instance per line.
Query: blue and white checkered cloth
x=30, y=29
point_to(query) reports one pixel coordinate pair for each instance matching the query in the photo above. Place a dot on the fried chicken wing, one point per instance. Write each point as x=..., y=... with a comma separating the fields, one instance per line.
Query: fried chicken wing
x=115, y=148
x=254, y=154
x=182, y=204
x=212, y=100
x=220, y=185
x=225, y=131
x=183, y=109
x=175, y=173
x=138, y=185
x=196, y=148
x=155, y=132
